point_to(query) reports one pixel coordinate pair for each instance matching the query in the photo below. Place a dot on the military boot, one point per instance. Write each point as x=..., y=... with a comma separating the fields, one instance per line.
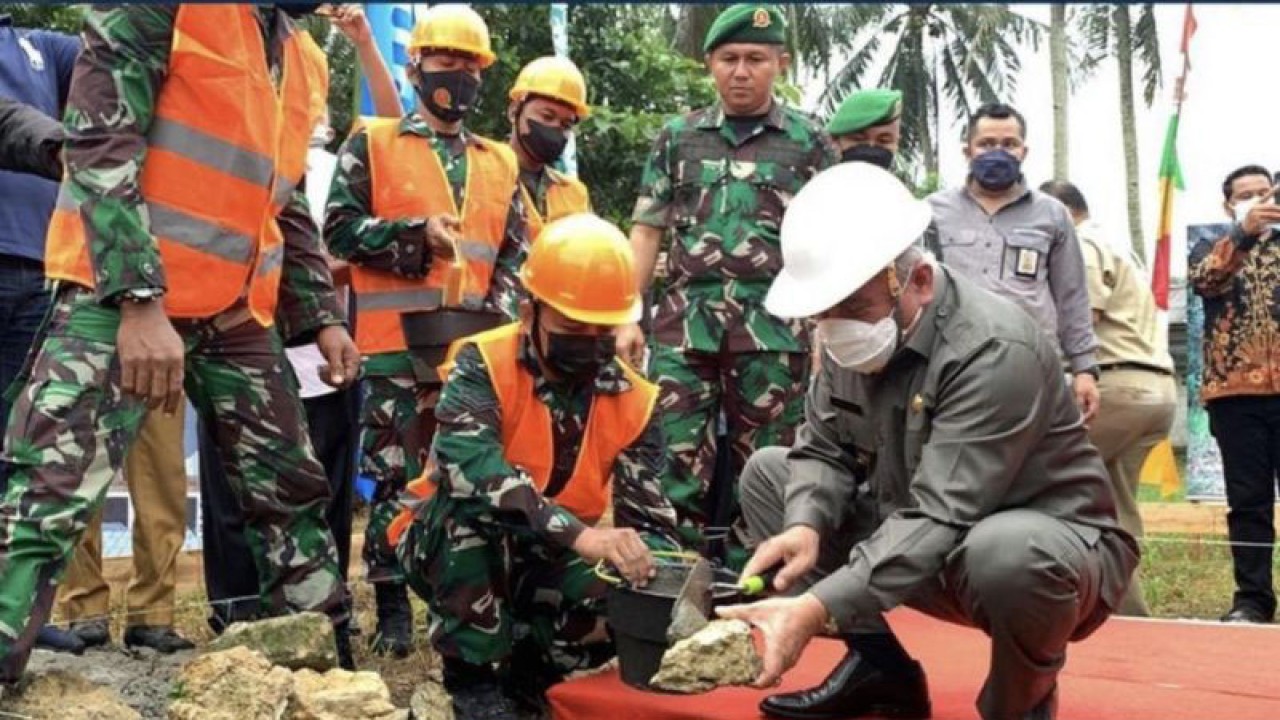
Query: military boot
x=476, y=693
x=394, y=635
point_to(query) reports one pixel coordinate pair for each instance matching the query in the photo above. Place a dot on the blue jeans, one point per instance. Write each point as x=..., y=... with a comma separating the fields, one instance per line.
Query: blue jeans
x=23, y=305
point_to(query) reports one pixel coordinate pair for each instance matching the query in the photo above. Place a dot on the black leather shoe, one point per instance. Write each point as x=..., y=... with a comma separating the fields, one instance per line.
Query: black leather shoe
x=1246, y=614
x=160, y=638
x=855, y=689
x=59, y=640
x=94, y=633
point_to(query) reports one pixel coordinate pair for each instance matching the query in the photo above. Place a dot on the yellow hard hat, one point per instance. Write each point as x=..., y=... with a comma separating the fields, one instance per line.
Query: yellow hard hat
x=556, y=78
x=583, y=266
x=453, y=27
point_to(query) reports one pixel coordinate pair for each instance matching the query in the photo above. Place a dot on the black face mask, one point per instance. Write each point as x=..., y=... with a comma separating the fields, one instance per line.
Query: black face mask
x=874, y=154
x=447, y=94
x=575, y=359
x=545, y=143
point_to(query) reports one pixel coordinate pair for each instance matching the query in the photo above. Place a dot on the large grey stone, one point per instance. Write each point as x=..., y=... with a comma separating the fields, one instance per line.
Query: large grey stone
x=722, y=653
x=431, y=701
x=304, y=640
x=233, y=684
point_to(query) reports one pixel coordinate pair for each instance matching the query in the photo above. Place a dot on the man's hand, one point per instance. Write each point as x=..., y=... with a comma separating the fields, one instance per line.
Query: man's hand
x=629, y=343
x=442, y=235
x=1087, y=396
x=796, y=548
x=342, y=359
x=352, y=23
x=787, y=625
x=620, y=547
x=151, y=355
x=1262, y=216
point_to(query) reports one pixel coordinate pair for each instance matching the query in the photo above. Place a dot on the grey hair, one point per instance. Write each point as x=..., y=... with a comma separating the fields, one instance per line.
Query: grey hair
x=909, y=259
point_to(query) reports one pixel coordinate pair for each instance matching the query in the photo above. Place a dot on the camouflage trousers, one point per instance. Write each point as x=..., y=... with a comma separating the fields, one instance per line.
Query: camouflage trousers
x=762, y=397
x=397, y=421
x=490, y=587
x=72, y=426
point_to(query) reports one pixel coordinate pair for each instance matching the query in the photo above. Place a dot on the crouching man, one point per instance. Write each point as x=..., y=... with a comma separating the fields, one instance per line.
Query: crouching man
x=540, y=428
x=943, y=464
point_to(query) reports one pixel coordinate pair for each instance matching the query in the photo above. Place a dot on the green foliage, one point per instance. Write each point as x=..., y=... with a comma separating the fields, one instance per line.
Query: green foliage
x=39, y=16
x=635, y=83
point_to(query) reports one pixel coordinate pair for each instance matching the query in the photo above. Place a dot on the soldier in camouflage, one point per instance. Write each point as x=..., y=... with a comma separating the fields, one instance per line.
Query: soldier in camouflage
x=715, y=188
x=500, y=542
x=396, y=418
x=110, y=350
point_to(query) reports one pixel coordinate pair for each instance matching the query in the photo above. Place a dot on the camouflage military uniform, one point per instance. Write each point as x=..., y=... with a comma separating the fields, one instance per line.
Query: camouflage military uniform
x=719, y=188
x=71, y=425
x=396, y=422
x=489, y=552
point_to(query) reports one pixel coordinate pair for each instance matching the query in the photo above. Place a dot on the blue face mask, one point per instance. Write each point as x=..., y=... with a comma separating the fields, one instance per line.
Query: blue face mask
x=996, y=170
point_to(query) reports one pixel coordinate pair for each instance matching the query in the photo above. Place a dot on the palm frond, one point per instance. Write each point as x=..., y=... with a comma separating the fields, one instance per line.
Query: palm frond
x=1146, y=45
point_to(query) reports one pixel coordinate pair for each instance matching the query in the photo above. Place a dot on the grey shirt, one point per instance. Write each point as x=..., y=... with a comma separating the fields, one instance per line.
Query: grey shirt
x=972, y=416
x=1026, y=252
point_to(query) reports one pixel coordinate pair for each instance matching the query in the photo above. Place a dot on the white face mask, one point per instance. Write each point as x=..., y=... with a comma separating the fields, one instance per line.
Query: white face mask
x=860, y=346
x=1243, y=207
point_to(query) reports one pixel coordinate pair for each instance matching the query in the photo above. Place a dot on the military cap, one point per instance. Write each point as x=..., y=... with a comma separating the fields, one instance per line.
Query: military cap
x=747, y=23
x=864, y=109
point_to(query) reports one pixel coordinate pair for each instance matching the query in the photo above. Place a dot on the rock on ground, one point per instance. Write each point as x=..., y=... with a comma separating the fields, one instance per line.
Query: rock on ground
x=66, y=696
x=431, y=701
x=234, y=684
x=143, y=678
x=304, y=640
x=341, y=695
x=722, y=653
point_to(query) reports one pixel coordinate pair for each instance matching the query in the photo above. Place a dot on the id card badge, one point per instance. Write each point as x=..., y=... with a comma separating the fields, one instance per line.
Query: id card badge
x=1027, y=264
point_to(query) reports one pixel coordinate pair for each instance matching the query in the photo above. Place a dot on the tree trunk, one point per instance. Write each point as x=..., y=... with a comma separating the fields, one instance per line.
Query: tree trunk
x=692, y=26
x=1061, y=94
x=1124, y=55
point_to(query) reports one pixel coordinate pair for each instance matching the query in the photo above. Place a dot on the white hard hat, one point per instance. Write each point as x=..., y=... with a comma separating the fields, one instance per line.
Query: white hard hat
x=844, y=226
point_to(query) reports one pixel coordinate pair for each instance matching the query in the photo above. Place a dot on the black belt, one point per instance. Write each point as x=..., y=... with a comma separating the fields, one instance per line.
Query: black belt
x=1135, y=366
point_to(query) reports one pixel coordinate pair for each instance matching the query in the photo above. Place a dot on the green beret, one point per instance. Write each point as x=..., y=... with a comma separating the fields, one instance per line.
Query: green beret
x=747, y=23
x=864, y=109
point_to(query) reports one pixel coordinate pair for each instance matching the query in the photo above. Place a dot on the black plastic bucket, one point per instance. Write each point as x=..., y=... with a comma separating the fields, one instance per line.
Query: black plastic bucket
x=639, y=618
x=429, y=334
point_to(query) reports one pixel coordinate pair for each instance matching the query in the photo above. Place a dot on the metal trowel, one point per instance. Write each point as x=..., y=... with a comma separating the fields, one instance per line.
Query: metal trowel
x=692, y=609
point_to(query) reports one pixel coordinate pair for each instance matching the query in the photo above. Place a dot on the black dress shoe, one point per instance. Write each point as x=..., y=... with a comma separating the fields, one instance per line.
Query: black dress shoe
x=1246, y=614
x=855, y=689
x=94, y=633
x=58, y=640
x=160, y=638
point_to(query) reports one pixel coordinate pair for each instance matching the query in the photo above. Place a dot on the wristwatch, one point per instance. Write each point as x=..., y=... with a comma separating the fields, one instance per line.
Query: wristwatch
x=1093, y=370
x=142, y=295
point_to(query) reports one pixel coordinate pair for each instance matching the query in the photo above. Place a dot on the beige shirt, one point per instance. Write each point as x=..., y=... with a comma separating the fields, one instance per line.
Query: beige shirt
x=1128, y=329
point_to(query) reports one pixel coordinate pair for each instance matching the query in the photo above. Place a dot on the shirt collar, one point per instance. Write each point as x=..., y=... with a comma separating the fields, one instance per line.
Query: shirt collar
x=413, y=124
x=714, y=118
x=1024, y=193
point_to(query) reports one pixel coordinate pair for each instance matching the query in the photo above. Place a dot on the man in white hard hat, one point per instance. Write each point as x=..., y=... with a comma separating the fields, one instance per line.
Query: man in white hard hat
x=942, y=464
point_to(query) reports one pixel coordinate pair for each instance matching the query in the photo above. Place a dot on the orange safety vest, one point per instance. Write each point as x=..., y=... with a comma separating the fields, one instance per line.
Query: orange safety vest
x=565, y=196
x=614, y=422
x=224, y=155
x=408, y=181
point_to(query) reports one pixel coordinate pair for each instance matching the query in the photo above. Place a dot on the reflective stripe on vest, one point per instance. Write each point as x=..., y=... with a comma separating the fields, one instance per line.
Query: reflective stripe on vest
x=614, y=423
x=225, y=151
x=408, y=182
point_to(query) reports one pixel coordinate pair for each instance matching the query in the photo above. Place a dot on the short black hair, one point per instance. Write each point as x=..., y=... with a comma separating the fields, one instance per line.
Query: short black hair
x=1240, y=172
x=1067, y=194
x=998, y=111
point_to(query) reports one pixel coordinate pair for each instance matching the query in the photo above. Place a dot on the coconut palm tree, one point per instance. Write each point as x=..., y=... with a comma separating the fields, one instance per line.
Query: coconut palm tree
x=1058, y=72
x=1111, y=30
x=946, y=59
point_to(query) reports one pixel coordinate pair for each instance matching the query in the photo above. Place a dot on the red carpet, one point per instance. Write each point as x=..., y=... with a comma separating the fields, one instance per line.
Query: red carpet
x=1128, y=670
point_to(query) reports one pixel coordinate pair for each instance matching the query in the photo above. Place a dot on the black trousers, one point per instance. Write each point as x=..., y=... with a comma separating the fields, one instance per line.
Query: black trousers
x=1247, y=429
x=230, y=575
